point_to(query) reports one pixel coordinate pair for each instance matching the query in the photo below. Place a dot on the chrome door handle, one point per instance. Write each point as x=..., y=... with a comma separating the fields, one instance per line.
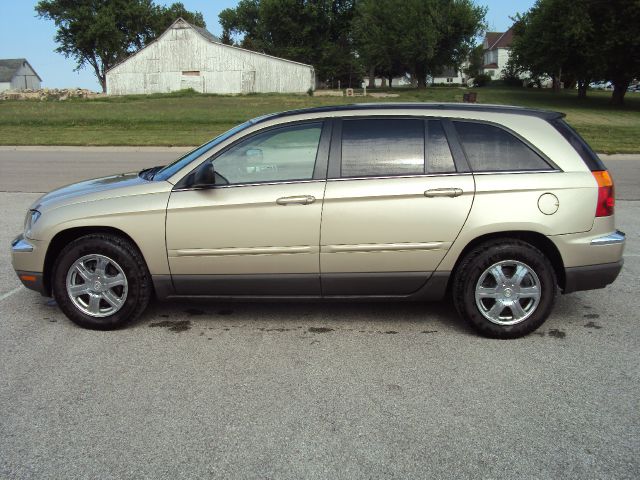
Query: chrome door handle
x=298, y=200
x=443, y=192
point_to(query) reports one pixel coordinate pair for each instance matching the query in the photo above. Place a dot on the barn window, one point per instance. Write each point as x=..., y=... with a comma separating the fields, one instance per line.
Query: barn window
x=191, y=73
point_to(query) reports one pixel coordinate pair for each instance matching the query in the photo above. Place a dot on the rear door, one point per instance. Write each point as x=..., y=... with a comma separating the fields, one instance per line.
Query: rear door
x=394, y=203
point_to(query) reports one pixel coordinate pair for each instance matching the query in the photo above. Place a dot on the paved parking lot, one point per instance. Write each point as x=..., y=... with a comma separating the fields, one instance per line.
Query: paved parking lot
x=311, y=390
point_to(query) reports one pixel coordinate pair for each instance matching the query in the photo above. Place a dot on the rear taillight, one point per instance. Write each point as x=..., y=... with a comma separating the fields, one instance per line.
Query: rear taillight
x=606, y=200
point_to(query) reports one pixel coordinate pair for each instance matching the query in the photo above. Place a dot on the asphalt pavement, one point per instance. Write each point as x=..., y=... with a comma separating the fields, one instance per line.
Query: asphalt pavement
x=313, y=390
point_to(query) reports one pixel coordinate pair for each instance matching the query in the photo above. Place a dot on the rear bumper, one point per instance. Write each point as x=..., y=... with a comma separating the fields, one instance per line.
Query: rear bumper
x=591, y=277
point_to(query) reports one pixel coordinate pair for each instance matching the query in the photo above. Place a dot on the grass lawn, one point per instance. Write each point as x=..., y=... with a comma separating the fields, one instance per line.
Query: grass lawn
x=184, y=118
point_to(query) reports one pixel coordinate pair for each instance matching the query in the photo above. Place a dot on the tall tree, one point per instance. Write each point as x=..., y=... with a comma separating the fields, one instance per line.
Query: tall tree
x=581, y=40
x=617, y=23
x=423, y=36
x=379, y=39
x=556, y=38
x=101, y=33
x=317, y=32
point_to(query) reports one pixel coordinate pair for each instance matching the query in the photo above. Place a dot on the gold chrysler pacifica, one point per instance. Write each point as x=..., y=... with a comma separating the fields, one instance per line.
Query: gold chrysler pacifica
x=502, y=207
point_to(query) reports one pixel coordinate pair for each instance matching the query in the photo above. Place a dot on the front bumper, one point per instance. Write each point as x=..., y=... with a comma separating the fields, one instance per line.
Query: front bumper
x=20, y=249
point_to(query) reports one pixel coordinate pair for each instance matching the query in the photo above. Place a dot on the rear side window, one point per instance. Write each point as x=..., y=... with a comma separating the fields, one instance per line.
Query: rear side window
x=491, y=149
x=382, y=147
x=579, y=145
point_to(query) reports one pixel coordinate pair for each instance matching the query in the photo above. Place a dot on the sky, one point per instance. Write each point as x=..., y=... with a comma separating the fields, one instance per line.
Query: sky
x=23, y=35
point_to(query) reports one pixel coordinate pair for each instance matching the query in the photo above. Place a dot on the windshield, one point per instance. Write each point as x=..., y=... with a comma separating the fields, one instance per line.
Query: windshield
x=168, y=171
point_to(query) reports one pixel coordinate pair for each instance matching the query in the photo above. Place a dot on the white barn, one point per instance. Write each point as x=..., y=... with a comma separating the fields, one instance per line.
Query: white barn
x=186, y=56
x=18, y=74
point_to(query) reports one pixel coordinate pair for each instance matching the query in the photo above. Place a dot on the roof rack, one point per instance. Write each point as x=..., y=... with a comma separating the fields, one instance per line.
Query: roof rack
x=534, y=112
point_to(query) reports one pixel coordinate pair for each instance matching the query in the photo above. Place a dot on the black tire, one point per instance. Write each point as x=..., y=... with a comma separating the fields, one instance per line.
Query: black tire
x=130, y=260
x=481, y=258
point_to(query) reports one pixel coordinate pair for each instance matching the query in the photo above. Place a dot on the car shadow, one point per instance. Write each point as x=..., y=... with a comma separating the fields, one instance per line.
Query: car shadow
x=313, y=316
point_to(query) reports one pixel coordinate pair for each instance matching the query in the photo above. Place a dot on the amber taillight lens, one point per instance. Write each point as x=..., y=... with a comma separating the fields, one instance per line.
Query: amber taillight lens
x=606, y=200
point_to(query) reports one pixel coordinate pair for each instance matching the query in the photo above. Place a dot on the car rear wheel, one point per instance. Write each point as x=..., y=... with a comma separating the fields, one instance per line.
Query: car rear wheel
x=101, y=282
x=505, y=288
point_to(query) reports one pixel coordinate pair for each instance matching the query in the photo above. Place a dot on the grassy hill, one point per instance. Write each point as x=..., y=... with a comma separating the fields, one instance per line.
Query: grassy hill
x=185, y=118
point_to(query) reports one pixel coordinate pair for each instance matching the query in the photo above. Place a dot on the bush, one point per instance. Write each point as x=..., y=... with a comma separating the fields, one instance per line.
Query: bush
x=481, y=80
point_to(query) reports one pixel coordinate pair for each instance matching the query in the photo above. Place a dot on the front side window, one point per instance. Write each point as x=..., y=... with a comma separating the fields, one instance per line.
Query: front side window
x=493, y=149
x=382, y=147
x=280, y=154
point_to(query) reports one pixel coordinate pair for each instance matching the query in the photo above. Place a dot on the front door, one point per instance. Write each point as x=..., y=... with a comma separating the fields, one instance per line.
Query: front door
x=256, y=231
x=390, y=211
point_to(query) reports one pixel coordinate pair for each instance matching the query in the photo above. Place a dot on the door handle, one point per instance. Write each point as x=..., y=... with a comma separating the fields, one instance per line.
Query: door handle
x=298, y=200
x=443, y=192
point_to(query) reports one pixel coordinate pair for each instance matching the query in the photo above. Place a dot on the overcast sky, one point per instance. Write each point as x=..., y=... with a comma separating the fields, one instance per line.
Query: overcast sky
x=24, y=35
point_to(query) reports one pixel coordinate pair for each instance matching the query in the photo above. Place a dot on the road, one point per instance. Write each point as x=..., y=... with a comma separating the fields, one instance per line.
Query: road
x=41, y=169
x=310, y=390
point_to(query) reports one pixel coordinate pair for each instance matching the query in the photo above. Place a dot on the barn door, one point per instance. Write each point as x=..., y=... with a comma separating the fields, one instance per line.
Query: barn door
x=192, y=79
x=248, y=81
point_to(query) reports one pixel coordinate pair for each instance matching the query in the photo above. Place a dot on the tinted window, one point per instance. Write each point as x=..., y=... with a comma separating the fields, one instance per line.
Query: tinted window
x=439, y=159
x=382, y=147
x=579, y=145
x=281, y=154
x=490, y=148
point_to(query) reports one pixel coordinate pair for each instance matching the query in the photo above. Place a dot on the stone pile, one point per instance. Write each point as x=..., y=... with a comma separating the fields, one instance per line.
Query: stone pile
x=48, y=94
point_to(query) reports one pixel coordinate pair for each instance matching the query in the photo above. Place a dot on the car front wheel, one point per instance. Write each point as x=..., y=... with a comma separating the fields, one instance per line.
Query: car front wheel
x=505, y=288
x=101, y=281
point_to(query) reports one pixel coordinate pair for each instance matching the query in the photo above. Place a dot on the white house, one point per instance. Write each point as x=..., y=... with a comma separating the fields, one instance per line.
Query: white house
x=186, y=56
x=497, y=48
x=18, y=74
x=451, y=76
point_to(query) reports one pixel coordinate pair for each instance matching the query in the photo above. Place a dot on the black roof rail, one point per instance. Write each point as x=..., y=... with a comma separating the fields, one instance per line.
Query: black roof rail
x=471, y=107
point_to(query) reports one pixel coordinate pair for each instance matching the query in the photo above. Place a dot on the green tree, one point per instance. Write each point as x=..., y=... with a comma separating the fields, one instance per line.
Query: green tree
x=557, y=38
x=379, y=39
x=476, y=60
x=618, y=43
x=317, y=32
x=580, y=41
x=422, y=36
x=101, y=33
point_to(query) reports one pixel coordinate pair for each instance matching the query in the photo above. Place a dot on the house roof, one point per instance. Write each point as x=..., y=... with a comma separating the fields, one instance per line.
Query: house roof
x=210, y=37
x=9, y=67
x=499, y=39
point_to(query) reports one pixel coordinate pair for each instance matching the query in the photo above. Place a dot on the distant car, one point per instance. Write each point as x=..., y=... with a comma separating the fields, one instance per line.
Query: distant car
x=634, y=88
x=601, y=85
x=499, y=206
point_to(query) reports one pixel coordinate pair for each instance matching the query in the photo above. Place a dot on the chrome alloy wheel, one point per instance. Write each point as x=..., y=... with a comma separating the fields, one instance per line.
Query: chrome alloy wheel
x=97, y=285
x=508, y=292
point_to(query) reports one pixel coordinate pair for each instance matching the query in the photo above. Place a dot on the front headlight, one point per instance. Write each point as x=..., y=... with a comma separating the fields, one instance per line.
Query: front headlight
x=30, y=220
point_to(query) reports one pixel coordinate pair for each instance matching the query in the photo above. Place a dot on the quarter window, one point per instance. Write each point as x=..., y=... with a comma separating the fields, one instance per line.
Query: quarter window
x=382, y=147
x=490, y=148
x=281, y=154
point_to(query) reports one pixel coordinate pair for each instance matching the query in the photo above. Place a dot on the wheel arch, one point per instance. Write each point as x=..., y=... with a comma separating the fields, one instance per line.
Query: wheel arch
x=538, y=240
x=64, y=237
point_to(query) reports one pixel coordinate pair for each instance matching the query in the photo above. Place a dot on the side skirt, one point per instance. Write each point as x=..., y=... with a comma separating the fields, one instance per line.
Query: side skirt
x=294, y=287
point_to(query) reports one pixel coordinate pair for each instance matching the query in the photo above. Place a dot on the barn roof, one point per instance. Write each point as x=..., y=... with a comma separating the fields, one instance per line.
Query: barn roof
x=9, y=67
x=210, y=37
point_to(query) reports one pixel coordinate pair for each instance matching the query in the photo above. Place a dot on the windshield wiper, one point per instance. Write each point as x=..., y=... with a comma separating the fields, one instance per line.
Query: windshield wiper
x=148, y=173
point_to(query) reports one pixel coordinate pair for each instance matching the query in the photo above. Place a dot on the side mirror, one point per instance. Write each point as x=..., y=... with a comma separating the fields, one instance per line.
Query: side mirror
x=204, y=176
